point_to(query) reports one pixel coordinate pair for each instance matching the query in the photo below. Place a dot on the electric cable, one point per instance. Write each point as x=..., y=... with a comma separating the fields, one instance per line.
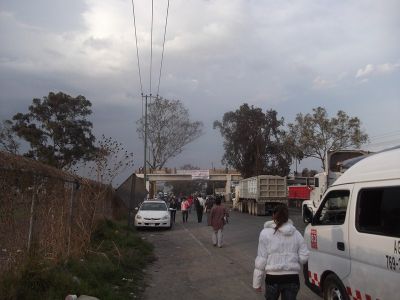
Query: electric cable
x=137, y=49
x=386, y=135
x=162, y=53
x=383, y=143
x=151, y=41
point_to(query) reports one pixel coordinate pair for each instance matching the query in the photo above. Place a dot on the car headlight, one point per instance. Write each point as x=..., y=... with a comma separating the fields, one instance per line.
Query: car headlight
x=166, y=217
x=138, y=216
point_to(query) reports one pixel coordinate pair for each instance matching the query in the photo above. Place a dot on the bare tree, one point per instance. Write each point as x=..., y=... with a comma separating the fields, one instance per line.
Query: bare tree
x=169, y=129
x=110, y=160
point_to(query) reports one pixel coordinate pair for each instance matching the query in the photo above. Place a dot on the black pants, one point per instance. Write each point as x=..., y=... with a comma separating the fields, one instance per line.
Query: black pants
x=199, y=215
x=286, y=286
x=185, y=215
x=173, y=213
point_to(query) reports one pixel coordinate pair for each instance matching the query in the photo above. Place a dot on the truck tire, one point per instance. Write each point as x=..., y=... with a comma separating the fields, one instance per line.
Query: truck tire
x=333, y=288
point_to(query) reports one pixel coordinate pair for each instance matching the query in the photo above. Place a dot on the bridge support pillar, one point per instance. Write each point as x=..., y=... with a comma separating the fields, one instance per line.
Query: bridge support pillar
x=228, y=188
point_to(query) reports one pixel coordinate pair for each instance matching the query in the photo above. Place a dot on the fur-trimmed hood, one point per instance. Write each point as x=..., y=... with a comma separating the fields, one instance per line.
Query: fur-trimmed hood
x=286, y=229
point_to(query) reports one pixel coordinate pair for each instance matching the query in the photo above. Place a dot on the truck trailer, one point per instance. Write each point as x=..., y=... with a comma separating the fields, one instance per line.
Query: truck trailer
x=260, y=194
x=297, y=194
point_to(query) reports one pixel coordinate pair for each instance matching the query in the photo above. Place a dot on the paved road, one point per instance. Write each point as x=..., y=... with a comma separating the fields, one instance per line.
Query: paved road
x=189, y=267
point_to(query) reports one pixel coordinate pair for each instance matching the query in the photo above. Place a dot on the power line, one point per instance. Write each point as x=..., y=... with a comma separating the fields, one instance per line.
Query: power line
x=151, y=41
x=162, y=54
x=388, y=142
x=137, y=49
x=386, y=135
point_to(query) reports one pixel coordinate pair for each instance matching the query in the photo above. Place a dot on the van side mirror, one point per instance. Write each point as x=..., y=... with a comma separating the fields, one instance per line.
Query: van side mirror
x=307, y=215
x=136, y=208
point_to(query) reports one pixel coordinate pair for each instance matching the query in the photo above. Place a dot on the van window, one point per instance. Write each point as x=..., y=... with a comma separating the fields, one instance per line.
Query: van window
x=378, y=211
x=316, y=182
x=333, y=209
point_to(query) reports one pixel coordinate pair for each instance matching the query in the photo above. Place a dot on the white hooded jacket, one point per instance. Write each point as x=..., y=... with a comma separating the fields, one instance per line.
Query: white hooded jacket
x=279, y=253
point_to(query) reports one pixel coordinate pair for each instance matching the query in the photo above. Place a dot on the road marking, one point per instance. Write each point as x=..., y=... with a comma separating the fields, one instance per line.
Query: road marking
x=197, y=241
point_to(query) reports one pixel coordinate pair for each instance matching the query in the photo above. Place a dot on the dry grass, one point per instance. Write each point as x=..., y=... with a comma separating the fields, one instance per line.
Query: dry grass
x=35, y=201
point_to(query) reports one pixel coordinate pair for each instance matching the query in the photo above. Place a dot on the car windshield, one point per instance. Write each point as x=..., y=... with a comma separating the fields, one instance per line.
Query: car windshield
x=153, y=206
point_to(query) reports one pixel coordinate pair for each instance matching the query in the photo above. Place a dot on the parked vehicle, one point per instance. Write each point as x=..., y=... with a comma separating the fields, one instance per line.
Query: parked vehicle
x=333, y=170
x=153, y=213
x=297, y=194
x=260, y=194
x=354, y=236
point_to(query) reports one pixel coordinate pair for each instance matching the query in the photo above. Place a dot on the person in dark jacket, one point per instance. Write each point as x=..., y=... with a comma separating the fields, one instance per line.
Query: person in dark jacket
x=198, y=203
x=173, y=205
x=208, y=205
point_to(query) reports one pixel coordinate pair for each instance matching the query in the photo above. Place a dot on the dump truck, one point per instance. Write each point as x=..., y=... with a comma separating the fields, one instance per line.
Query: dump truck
x=260, y=194
x=297, y=194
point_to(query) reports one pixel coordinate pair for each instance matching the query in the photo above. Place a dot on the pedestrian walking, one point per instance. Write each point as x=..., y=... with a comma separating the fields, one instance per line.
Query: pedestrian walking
x=208, y=205
x=185, y=210
x=217, y=220
x=281, y=252
x=173, y=205
x=199, y=205
x=190, y=201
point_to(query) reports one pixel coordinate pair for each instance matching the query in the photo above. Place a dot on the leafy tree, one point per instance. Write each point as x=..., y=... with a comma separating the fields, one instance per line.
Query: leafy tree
x=255, y=142
x=312, y=173
x=316, y=133
x=305, y=172
x=169, y=129
x=308, y=173
x=292, y=138
x=57, y=130
x=189, y=167
x=8, y=140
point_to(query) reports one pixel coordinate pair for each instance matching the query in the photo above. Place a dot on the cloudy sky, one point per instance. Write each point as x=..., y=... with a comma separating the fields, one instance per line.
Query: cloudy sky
x=290, y=56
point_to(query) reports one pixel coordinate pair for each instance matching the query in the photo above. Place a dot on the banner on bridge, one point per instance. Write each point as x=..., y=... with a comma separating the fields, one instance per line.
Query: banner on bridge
x=196, y=174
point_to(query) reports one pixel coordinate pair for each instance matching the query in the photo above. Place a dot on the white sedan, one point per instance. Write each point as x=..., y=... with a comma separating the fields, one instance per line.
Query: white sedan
x=153, y=213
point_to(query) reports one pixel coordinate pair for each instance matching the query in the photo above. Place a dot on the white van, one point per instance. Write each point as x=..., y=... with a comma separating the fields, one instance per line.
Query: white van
x=354, y=236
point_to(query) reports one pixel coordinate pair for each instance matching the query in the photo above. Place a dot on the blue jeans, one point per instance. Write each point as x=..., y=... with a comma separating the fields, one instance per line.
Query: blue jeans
x=288, y=291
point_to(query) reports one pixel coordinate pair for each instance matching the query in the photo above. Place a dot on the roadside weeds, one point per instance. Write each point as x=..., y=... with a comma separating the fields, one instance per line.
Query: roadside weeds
x=112, y=268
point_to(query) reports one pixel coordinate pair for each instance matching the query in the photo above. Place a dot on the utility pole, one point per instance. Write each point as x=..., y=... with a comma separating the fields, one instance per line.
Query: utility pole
x=145, y=140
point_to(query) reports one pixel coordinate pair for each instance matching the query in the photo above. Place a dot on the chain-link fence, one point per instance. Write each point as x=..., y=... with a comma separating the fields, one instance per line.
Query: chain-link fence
x=46, y=213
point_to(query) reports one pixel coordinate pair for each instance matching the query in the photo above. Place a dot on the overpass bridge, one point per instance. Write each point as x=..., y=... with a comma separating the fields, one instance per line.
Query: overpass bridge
x=189, y=175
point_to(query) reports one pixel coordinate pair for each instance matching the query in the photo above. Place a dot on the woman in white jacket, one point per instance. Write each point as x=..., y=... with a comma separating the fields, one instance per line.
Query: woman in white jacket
x=281, y=252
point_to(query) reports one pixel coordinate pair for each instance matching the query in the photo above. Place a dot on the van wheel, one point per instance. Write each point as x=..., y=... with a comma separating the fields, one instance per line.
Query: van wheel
x=333, y=289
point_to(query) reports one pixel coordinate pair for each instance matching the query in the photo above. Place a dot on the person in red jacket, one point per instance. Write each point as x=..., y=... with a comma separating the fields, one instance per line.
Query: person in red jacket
x=190, y=200
x=185, y=210
x=218, y=216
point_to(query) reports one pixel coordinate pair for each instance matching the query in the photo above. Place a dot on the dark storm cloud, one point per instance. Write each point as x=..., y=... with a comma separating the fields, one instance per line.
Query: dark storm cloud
x=290, y=56
x=56, y=15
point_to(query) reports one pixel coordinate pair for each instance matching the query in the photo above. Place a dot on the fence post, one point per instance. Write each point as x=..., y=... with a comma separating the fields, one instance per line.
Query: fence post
x=75, y=186
x=32, y=215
